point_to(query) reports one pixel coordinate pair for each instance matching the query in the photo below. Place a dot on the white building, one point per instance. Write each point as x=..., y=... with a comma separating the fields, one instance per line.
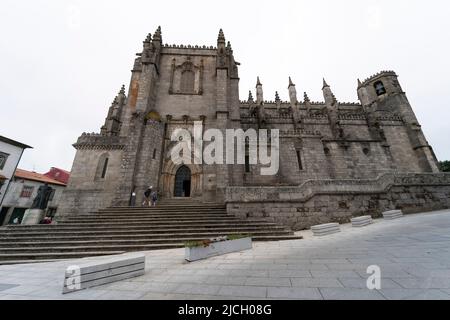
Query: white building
x=10, y=154
x=23, y=190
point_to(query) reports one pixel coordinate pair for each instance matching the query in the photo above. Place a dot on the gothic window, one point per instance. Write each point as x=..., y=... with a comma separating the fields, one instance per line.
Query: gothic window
x=3, y=158
x=102, y=167
x=379, y=88
x=187, y=81
x=154, y=154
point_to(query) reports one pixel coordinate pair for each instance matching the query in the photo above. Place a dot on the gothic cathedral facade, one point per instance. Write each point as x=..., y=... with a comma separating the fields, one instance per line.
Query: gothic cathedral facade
x=174, y=86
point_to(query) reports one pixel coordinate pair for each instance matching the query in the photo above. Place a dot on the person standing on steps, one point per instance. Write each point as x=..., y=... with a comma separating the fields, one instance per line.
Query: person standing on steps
x=147, y=195
x=154, y=197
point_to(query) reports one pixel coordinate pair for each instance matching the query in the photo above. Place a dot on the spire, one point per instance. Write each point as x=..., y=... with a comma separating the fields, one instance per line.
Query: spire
x=221, y=37
x=258, y=83
x=259, y=92
x=328, y=95
x=291, y=83
x=306, y=98
x=359, y=83
x=250, y=96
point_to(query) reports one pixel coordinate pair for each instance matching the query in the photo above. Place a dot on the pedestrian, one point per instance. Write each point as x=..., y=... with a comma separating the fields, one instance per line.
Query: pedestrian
x=154, y=196
x=147, y=195
x=133, y=199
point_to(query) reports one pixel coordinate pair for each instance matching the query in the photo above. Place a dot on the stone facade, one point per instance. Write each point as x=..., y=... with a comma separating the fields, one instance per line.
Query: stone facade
x=324, y=145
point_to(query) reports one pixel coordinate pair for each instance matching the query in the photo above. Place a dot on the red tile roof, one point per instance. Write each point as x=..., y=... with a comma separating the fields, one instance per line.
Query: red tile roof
x=58, y=175
x=33, y=176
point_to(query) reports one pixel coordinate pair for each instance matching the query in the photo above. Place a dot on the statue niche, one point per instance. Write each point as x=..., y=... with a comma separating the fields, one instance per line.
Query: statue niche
x=186, y=78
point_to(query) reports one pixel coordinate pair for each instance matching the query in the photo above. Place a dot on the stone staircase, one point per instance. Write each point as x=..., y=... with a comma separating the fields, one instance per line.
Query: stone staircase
x=122, y=229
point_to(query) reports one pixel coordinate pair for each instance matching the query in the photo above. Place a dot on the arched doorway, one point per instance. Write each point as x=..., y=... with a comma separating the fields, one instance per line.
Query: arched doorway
x=183, y=182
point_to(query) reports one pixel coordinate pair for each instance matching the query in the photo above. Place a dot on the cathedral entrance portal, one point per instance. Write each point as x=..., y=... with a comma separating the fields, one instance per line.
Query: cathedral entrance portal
x=183, y=182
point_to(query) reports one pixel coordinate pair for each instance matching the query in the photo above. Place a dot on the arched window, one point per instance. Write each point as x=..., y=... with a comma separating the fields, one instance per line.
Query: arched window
x=187, y=81
x=102, y=167
x=379, y=88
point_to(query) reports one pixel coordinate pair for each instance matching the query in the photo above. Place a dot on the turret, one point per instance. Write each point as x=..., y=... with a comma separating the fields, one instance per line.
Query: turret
x=382, y=94
x=259, y=92
x=292, y=93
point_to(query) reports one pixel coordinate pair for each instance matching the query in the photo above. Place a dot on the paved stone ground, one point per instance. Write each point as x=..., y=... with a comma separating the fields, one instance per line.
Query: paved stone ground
x=413, y=253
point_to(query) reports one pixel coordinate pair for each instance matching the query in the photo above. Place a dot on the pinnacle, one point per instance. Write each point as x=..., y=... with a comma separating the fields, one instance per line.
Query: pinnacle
x=221, y=37
x=258, y=83
x=359, y=83
x=250, y=96
x=122, y=89
x=149, y=38
x=277, y=96
x=291, y=83
x=306, y=98
x=325, y=84
x=157, y=35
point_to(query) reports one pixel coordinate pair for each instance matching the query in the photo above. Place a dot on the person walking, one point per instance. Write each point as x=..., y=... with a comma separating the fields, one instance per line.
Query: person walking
x=154, y=197
x=147, y=195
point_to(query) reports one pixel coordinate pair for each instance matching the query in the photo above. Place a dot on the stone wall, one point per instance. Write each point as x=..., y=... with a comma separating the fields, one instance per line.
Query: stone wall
x=324, y=201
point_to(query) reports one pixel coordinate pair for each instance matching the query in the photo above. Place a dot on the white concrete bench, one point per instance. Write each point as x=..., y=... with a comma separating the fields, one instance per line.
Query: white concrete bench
x=103, y=271
x=363, y=221
x=325, y=229
x=393, y=214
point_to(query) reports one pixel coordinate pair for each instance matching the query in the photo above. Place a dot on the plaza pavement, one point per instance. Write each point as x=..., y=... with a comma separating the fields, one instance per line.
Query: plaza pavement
x=413, y=253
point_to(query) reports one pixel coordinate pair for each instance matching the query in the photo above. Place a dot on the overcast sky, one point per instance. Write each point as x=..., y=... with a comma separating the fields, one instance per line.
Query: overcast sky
x=62, y=62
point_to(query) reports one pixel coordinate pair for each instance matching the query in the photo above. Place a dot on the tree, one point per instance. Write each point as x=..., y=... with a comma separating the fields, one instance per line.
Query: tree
x=444, y=166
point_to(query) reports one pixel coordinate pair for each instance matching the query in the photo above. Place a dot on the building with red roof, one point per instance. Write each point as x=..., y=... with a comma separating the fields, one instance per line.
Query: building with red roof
x=23, y=190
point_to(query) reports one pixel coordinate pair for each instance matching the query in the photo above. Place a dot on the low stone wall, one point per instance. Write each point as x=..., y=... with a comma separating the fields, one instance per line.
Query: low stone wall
x=83, y=201
x=324, y=201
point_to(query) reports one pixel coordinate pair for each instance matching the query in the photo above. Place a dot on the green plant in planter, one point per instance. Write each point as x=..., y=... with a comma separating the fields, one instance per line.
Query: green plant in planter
x=237, y=236
x=207, y=242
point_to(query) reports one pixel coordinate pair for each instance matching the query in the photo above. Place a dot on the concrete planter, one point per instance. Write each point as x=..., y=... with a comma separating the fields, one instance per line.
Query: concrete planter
x=217, y=249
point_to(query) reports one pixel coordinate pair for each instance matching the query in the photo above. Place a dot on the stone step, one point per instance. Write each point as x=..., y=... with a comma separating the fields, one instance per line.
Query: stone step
x=114, y=248
x=132, y=237
x=124, y=227
x=165, y=209
x=40, y=245
x=155, y=221
x=40, y=256
x=152, y=223
x=144, y=216
x=135, y=231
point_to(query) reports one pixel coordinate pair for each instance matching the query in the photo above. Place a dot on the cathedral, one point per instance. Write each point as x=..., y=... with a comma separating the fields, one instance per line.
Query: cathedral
x=337, y=159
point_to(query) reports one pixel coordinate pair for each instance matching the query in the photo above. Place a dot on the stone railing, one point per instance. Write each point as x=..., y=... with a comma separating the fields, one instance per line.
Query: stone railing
x=310, y=188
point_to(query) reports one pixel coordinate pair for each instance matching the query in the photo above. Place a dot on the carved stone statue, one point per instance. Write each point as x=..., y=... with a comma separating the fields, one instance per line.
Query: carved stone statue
x=43, y=197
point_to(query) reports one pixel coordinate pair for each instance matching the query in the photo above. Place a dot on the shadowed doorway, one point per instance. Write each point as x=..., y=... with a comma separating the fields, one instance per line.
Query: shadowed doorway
x=183, y=182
